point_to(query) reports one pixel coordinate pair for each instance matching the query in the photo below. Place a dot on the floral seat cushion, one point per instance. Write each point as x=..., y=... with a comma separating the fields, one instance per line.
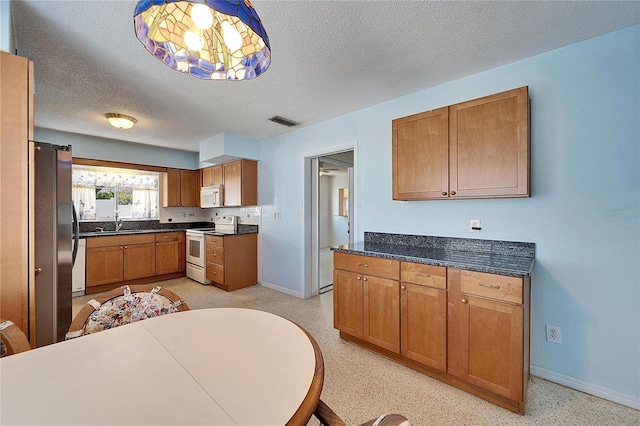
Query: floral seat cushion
x=128, y=308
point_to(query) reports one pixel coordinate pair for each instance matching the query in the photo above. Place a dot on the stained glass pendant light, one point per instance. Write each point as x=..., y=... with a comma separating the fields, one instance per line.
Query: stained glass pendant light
x=209, y=39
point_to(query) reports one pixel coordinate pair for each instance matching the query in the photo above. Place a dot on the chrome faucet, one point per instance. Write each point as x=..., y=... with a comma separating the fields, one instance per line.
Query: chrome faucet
x=118, y=221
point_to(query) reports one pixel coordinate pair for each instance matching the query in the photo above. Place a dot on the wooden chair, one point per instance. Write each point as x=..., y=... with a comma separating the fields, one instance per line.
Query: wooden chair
x=122, y=306
x=328, y=417
x=12, y=339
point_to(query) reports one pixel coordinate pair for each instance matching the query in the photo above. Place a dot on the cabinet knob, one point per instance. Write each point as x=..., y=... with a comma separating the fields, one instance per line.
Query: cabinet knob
x=121, y=247
x=403, y=287
x=214, y=255
x=453, y=192
x=126, y=247
x=364, y=279
x=38, y=270
x=464, y=300
x=359, y=277
x=444, y=193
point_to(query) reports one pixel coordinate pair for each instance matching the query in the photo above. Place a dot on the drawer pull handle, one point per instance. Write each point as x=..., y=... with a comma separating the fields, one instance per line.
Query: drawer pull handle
x=423, y=275
x=166, y=236
x=362, y=264
x=497, y=287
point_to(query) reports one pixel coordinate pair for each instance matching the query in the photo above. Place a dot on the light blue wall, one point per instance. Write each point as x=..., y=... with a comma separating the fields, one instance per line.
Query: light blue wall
x=84, y=146
x=583, y=214
x=7, y=42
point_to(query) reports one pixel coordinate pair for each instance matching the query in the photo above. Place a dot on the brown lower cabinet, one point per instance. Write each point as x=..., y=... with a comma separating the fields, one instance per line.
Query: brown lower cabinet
x=468, y=329
x=131, y=259
x=232, y=260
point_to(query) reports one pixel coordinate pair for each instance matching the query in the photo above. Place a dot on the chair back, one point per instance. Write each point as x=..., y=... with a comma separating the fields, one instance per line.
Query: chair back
x=12, y=339
x=327, y=417
x=122, y=306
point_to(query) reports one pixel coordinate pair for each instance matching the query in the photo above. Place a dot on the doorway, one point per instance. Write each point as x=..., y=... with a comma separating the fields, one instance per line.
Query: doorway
x=332, y=213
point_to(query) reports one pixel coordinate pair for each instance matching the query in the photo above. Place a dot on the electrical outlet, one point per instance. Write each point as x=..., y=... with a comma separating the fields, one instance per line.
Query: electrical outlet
x=474, y=226
x=554, y=334
x=183, y=214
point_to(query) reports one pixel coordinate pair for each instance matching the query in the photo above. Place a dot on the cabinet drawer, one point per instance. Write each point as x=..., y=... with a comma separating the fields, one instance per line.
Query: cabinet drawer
x=215, y=272
x=119, y=240
x=500, y=287
x=167, y=236
x=214, y=240
x=385, y=268
x=417, y=273
x=215, y=254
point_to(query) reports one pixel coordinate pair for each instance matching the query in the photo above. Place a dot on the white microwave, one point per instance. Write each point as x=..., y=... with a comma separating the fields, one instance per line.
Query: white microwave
x=211, y=196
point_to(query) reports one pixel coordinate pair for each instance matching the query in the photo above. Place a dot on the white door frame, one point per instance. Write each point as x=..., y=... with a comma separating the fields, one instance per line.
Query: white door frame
x=310, y=215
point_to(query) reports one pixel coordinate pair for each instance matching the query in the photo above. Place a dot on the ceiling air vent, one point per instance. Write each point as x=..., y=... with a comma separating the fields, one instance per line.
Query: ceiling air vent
x=283, y=121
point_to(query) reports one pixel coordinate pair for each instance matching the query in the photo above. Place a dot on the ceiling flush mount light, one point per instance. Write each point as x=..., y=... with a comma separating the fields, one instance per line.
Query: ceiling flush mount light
x=121, y=121
x=208, y=39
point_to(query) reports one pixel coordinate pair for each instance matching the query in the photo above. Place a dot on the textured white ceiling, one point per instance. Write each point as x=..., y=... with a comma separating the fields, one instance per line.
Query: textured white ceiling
x=328, y=58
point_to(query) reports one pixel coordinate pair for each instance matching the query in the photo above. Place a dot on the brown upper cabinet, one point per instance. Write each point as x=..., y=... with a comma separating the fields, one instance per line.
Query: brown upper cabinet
x=475, y=149
x=212, y=175
x=181, y=188
x=240, y=179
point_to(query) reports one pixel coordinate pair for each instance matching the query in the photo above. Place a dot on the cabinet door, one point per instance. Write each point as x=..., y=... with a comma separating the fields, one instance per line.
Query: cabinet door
x=189, y=188
x=171, y=188
x=424, y=325
x=104, y=265
x=347, y=302
x=167, y=257
x=232, y=183
x=421, y=156
x=491, y=347
x=489, y=146
x=212, y=175
x=139, y=261
x=382, y=312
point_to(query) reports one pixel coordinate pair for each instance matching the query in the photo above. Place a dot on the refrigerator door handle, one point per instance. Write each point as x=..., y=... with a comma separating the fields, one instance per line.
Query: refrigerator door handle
x=76, y=236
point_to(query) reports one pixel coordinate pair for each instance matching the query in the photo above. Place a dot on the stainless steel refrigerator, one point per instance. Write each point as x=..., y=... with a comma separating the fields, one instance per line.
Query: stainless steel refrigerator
x=55, y=241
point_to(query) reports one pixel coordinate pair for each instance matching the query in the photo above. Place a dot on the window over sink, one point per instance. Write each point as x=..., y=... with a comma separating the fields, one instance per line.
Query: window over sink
x=98, y=192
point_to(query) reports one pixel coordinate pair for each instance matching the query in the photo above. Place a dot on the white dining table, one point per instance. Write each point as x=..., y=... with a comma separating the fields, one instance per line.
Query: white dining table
x=222, y=366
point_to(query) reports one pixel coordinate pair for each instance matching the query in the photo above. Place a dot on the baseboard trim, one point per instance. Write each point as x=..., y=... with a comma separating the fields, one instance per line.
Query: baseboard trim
x=282, y=289
x=590, y=388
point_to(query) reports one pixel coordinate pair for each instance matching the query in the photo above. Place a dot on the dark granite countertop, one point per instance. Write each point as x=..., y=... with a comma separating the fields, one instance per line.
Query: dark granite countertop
x=495, y=257
x=126, y=232
x=242, y=229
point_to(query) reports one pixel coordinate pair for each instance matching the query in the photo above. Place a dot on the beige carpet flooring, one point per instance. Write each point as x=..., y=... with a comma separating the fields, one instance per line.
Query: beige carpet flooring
x=360, y=385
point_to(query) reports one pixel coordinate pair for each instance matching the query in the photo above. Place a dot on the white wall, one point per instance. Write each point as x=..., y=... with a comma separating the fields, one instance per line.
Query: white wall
x=325, y=211
x=339, y=224
x=584, y=213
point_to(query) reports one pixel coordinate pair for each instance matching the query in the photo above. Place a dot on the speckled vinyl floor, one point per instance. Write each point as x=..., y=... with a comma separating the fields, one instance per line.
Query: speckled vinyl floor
x=360, y=385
